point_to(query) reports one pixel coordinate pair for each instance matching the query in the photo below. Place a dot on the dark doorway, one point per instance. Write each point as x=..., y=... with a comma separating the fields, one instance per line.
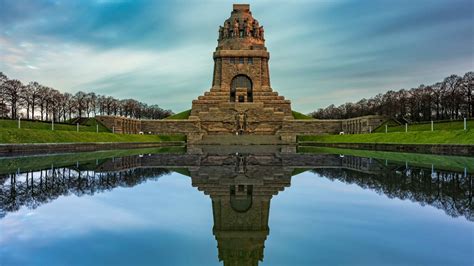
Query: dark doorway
x=241, y=81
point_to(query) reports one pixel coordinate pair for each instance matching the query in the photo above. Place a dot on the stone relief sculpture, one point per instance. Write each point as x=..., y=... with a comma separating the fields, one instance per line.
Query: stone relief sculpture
x=248, y=29
x=241, y=29
x=221, y=33
x=241, y=119
x=235, y=31
x=241, y=164
x=226, y=29
x=256, y=32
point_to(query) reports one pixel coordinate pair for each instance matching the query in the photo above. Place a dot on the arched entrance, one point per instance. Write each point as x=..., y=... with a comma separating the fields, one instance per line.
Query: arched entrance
x=241, y=89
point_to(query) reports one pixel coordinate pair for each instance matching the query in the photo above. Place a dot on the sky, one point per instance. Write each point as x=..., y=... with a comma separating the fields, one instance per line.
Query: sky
x=160, y=52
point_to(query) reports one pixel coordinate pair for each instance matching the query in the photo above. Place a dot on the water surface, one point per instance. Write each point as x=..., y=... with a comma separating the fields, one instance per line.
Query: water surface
x=238, y=206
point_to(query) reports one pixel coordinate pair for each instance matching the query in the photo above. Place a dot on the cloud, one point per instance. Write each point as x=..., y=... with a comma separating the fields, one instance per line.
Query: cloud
x=161, y=52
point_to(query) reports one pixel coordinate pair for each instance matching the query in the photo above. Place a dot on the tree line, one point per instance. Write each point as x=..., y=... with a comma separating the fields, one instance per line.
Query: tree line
x=445, y=190
x=36, y=101
x=452, y=98
x=34, y=188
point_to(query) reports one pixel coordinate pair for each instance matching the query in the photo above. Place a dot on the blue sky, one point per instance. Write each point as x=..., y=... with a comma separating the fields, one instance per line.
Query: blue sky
x=322, y=52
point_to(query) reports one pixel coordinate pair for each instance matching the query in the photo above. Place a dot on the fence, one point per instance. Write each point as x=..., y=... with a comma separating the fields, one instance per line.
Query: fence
x=464, y=124
x=51, y=125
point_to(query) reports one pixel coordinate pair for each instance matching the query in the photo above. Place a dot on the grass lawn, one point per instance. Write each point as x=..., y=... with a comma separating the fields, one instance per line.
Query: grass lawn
x=426, y=126
x=182, y=115
x=298, y=115
x=84, y=159
x=11, y=135
x=185, y=115
x=415, y=137
x=88, y=126
x=453, y=163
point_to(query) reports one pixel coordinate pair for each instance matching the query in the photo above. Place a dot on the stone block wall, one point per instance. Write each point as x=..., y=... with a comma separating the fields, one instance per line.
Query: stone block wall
x=245, y=118
x=170, y=126
x=363, y=124
x=251, y=118
x=121, y=125
x=292, y=128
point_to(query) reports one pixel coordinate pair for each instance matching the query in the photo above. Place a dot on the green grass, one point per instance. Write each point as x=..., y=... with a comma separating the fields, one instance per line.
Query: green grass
x=426, y=126
x=182, y=115
x=182, y=171
x=32, y=163
x=88, y=126
x=298, y=171
x=454, y=163
x=298, y=115
x=185, y=115
x=415, y=137
x=10, y=135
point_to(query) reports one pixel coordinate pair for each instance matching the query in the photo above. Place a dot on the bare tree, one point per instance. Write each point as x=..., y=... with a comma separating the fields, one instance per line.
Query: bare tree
x=54, y=105
x=31, y=96
x=12, y=90
x=450, y=99
x=3, y=105
x=81, y=101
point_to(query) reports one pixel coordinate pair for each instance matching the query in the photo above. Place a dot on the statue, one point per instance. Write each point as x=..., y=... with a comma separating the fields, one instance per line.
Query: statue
x=236, y=28
x=261, y=33
x=241, y=164
x=226, y=29
x=248, y=29
x=221, y=31
x=241, y=117
x=255, y=29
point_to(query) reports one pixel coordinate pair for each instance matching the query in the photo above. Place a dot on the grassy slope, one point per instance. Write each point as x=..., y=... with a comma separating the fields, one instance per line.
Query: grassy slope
x=182, y=115
x=185, y=115
x=88, y=126
x=456, y=163
x=298, y=115
x=10, y=135
x=7, y=165
x=416, y=137
x=445, y=125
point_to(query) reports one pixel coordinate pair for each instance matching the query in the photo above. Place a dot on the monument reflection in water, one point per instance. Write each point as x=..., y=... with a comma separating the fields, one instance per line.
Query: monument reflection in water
x=240, y=184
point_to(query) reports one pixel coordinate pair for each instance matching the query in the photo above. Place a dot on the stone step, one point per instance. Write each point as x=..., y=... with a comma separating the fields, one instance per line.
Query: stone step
x=265, y=93
x=214, y=97
x=229, y=139
x=206, y=101
x=278, y=101
x=266, y=98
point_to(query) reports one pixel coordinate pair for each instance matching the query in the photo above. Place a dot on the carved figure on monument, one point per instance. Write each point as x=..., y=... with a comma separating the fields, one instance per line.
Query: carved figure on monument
x=241, y=164
x=236, y=29
x=256, y=26
x=226, y=29
x=221, y=31
x=241, y=121
x=248, y=29
x=261, y=33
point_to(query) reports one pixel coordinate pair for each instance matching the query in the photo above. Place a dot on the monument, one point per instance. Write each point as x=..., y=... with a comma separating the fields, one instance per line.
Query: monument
x=241, y=107
x=241, y=100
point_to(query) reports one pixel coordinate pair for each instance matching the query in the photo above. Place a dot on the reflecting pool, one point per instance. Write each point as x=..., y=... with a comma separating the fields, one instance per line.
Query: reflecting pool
x=254, y=205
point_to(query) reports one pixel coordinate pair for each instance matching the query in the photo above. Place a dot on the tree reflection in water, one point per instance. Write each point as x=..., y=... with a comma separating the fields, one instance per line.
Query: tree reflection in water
x=240, y=186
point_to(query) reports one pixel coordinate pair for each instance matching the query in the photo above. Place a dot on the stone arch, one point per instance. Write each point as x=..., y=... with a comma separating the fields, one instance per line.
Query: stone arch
x=241, y=81
x=243, y=201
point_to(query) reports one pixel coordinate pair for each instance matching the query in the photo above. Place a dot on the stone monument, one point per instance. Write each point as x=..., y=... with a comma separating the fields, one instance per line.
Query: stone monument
x=241, y=107
x=241, y=100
